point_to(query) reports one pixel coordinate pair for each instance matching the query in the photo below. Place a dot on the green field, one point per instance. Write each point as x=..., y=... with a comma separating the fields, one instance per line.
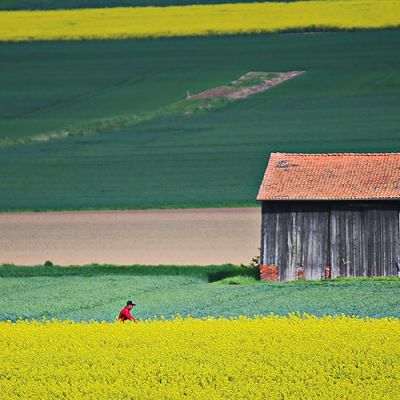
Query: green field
x=48, y=86
x=98, y=292
x=346, y=101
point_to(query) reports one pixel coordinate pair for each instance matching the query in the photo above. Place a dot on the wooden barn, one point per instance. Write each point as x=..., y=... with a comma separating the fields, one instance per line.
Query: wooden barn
x=329, y=215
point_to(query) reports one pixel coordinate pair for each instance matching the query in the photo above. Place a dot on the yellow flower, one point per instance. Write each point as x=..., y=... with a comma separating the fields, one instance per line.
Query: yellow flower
x=295, y=357
x=218, y=19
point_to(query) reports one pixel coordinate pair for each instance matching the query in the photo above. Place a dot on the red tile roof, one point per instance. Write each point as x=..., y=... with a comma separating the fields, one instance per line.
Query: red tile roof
x=347, y=176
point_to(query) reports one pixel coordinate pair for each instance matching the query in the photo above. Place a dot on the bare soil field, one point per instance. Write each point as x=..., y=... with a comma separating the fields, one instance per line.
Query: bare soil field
x=247, y=85
x=153, y=237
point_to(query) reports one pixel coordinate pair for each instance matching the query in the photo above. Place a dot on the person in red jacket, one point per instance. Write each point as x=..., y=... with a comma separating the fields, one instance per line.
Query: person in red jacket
x=125, y=313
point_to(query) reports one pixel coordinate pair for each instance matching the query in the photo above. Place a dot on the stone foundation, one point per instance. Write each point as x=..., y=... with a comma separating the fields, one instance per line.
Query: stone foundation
x=269, y=273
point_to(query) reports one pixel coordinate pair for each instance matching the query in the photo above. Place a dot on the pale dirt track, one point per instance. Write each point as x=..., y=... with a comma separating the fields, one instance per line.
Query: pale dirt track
x=153, y=237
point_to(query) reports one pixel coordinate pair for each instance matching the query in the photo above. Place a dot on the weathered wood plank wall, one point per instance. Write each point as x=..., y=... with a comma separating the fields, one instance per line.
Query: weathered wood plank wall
x=355, y=238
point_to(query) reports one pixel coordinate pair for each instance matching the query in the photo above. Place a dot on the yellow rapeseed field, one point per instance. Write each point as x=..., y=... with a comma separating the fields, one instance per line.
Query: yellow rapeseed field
x=197, y=19
x=262, y=358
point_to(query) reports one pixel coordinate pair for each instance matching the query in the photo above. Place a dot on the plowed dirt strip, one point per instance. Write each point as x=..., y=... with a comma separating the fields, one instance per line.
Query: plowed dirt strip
x=173, y=237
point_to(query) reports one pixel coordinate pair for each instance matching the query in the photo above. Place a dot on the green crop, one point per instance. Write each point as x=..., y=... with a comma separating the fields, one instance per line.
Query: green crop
x=347, y=100
x=99, y=292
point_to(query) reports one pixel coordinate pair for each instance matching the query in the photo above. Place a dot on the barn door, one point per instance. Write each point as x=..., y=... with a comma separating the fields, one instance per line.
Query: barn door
x=382, y=227
x=347, y=235
x=309, y=242
x=364, y=239
x=295, y=237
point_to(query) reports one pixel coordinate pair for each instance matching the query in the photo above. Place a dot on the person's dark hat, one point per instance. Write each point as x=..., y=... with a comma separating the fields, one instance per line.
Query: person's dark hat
x=130, y=303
